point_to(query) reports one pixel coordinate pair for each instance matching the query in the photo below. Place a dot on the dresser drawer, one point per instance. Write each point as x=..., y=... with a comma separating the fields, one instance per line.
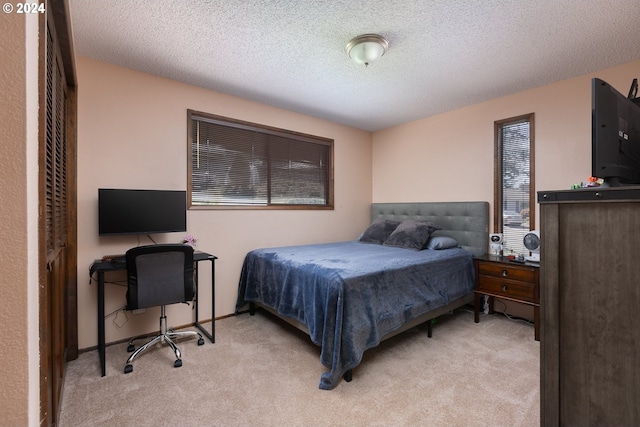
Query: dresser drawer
x=507, y=288
x=525, y=274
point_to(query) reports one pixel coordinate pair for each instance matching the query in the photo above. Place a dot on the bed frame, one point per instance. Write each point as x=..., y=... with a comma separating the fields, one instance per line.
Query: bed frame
x=467, y=222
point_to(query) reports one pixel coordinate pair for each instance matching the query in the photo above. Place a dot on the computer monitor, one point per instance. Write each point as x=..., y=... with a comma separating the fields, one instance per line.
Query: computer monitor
x=126, y=211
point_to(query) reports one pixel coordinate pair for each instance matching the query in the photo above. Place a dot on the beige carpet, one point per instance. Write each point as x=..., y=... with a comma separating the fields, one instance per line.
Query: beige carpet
x=263, y=372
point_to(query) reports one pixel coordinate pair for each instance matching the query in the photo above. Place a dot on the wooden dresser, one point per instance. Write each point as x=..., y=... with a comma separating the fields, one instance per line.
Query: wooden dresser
x=590, y=306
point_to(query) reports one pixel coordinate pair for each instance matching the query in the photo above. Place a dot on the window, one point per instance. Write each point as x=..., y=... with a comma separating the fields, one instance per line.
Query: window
x=514, y=205
x=239, y=164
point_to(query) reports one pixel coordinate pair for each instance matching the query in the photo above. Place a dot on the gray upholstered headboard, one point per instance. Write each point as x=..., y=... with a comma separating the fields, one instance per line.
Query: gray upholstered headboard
x=467, y=222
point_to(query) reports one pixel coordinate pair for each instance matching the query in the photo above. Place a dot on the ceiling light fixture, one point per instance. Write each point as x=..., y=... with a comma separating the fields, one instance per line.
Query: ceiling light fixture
x=367, y=48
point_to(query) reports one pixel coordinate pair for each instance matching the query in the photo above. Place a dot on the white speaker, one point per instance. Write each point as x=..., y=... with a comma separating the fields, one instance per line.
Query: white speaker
x=495, y=243
x=532, y=242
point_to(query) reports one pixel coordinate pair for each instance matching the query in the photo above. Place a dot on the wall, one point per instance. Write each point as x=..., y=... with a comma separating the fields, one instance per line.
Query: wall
x=132, y=134
x=450, y=156
x=19, y=393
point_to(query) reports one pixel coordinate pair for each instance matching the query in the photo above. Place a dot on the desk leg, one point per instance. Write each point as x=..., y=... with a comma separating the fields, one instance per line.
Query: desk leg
x=213, y=300
x=197, y=279
x=197, y=324
x=101, y=338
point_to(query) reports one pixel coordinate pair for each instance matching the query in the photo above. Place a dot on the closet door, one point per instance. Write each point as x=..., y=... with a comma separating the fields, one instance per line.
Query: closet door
x=58, y=284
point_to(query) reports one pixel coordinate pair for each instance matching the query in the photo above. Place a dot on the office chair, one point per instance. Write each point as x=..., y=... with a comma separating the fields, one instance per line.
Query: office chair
x=158, y=275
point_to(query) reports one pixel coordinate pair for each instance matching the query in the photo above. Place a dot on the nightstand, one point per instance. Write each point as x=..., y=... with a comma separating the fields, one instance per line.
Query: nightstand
x=498, y=277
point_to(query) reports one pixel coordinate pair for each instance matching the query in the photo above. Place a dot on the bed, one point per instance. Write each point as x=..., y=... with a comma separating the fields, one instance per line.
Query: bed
x=349, y=296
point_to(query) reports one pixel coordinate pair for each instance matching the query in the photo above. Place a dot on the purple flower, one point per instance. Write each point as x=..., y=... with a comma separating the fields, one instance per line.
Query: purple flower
x=190, y=240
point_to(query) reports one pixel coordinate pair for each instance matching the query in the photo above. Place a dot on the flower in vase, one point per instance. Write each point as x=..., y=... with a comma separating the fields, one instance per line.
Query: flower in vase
x=190, y=240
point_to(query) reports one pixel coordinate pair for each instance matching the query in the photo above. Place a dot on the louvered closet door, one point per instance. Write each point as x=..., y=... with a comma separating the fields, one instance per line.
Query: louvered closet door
x=58, y=311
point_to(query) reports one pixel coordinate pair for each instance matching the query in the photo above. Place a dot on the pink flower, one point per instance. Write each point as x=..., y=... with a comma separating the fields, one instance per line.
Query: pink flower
x=190, y=240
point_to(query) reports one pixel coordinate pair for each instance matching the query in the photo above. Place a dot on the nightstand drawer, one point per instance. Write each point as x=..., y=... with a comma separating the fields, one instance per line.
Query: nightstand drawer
x=497, y=277
x=507, y=288
x=525, y=274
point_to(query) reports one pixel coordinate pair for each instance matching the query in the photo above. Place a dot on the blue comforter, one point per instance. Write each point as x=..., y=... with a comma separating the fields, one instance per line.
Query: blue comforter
x=350, y=294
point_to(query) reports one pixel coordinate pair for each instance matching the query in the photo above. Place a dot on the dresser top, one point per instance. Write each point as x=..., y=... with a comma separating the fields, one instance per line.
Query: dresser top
x=594, y=194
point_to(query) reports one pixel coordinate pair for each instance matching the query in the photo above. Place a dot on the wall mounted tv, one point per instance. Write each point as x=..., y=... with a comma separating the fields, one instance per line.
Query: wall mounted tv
x=615, y=123
x=123, y=211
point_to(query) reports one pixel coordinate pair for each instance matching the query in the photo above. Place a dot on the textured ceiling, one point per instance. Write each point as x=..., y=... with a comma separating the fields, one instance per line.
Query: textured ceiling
x=443, y=54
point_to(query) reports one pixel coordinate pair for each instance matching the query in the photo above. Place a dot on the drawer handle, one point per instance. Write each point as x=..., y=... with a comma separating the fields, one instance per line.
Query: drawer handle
x=504, y=288
x=505, y=273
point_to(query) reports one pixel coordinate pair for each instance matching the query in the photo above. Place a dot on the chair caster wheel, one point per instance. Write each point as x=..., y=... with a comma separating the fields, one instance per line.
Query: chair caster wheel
x=131, y=348
x=177, y=363
x=201, y=341
x=128, y=368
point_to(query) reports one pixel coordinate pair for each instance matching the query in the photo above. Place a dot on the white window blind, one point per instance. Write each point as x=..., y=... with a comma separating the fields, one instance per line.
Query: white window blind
x=515, y=157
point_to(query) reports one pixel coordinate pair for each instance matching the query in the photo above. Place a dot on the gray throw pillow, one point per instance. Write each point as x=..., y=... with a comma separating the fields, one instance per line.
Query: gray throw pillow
x=411, y=234
x=379, y=231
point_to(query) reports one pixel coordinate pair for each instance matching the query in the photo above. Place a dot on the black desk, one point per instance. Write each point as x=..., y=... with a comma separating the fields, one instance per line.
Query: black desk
x=101, y=267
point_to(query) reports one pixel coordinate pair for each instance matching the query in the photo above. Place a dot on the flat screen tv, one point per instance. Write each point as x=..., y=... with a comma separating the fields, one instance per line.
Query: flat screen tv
x=123, y=211
x=615, y=122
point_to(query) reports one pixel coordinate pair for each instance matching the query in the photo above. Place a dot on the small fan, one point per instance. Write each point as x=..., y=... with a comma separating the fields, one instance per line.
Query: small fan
x=532, y=242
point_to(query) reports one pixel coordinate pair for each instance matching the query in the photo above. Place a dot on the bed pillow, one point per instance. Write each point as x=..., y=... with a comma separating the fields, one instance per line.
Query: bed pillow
x=442, y=242
x=411, y=234
x=379, y=231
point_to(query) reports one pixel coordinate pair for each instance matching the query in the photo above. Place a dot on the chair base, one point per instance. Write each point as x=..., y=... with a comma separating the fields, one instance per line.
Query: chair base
x=168, y=337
